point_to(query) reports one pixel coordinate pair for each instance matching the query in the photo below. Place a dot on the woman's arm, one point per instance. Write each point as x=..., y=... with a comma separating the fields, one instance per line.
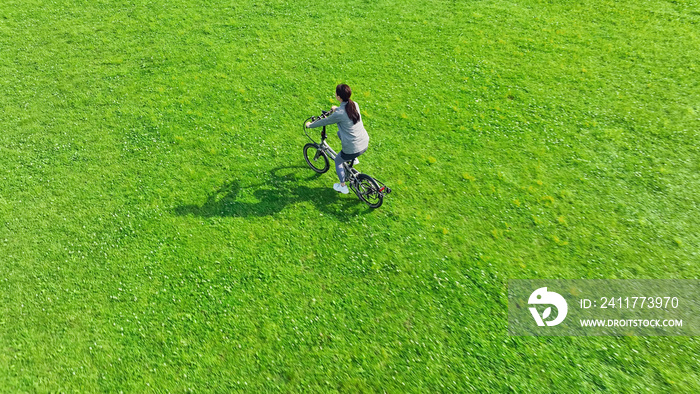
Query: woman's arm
x=333, y=118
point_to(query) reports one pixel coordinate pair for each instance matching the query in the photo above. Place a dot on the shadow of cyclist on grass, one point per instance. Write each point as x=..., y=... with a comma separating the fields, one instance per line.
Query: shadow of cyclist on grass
x=284, y=188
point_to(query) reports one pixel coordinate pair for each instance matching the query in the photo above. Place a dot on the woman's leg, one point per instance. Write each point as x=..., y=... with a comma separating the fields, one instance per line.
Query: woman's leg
x=340, y=158
x=339, y=168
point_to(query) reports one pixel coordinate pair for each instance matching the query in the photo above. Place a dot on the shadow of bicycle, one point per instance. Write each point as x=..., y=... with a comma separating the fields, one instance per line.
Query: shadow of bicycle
x=283, y=188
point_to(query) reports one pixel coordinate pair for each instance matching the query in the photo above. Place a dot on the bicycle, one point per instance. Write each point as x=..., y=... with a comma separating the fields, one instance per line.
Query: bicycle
x=367, y=188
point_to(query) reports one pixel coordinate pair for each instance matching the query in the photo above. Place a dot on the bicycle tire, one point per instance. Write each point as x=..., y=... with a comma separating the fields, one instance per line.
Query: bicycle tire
x=316, y=155
x=368, y=191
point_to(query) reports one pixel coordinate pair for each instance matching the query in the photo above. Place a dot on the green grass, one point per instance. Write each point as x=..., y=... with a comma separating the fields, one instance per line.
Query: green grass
x=160, y=229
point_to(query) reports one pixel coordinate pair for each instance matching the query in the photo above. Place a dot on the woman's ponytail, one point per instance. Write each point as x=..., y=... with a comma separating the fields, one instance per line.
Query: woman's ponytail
x=344, y=92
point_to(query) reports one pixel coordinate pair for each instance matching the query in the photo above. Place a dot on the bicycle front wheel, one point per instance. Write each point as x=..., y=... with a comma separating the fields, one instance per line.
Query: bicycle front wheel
x=316, y=158
x=368, y=191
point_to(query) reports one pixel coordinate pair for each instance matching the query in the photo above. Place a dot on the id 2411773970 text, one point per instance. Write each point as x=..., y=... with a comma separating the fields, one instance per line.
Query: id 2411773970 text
x=630, y=302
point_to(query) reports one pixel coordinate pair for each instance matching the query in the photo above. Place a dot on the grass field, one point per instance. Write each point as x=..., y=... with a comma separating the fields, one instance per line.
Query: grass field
x=160, y=231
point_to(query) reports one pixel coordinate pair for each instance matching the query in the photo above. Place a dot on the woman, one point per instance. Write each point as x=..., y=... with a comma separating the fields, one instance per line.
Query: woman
x=351, y=131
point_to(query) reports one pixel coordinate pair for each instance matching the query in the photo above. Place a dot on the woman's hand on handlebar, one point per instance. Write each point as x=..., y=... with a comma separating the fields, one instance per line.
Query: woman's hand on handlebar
x=307, y=124
x=334, y=107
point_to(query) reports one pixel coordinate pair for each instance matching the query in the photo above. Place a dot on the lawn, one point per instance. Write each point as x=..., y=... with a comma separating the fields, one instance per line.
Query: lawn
x=160, y=230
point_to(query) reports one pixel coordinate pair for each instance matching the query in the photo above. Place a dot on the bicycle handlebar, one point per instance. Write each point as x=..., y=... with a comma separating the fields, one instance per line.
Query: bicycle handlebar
x=324, y=114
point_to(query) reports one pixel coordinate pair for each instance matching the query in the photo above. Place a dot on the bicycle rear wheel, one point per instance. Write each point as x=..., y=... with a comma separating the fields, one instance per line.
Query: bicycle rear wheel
x=318, y=160
x=368, y=191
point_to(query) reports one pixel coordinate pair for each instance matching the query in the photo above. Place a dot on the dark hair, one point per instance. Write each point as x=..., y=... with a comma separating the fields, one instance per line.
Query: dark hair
x=344, y=92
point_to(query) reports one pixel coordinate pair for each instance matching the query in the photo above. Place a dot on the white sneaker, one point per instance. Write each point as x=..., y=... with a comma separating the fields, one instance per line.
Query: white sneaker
x=355, y=161
x=341, y=189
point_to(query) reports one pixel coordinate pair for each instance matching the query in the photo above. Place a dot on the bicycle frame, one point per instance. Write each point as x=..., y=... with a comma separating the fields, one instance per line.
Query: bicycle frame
x=350, y=172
